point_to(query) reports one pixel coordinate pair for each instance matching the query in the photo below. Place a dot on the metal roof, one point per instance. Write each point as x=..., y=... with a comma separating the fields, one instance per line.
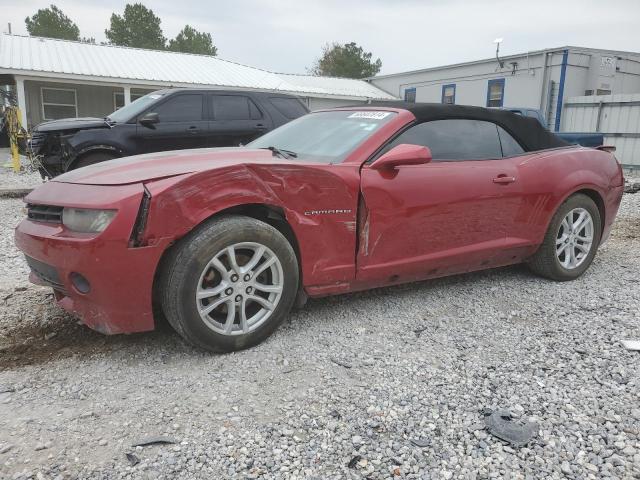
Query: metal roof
x=53, y=58
x=571, y=49
x=334, y=86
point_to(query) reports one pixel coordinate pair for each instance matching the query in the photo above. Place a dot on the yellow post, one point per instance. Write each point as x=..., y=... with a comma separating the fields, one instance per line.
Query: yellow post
x=14, y=133
x=15, y=155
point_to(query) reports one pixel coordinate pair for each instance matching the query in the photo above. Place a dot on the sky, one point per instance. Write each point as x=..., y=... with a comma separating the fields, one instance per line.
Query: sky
x=288, y=35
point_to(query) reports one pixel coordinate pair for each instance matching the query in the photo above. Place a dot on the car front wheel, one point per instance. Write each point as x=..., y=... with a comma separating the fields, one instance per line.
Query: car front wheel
x=571, y=242
x=229, y=284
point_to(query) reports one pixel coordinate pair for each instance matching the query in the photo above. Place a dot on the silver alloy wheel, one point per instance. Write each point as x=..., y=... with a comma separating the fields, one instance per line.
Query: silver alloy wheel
x=575, y=238
x=239, y=288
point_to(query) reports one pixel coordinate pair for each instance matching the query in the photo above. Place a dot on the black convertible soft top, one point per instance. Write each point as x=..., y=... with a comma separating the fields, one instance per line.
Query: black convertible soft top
x=530, y=134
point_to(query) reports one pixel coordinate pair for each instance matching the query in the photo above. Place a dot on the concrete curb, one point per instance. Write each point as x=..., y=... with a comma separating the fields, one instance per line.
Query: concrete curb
x=14, y=192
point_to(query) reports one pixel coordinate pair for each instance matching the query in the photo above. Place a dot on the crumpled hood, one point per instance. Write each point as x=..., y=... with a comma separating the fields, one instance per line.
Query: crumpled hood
x=71, y=124
x=154, y=166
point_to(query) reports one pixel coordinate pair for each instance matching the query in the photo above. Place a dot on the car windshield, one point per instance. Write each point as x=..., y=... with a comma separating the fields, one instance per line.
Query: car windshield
x=128, y=112
x=326, y=137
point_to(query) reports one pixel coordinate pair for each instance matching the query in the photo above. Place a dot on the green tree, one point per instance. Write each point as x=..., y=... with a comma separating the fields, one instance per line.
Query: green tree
x=52, y=23
x=347, y=61
x=137, y=27
x=189, y=40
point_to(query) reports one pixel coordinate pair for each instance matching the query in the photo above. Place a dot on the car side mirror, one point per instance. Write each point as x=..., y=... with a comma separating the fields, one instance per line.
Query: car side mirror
x=403, y=154
x=149, y=119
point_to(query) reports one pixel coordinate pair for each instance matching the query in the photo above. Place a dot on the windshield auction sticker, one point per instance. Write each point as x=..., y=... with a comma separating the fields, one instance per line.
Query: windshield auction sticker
x=370, y=115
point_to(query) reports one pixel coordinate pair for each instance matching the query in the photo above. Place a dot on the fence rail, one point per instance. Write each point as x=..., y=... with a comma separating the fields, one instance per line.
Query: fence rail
x=615, y=116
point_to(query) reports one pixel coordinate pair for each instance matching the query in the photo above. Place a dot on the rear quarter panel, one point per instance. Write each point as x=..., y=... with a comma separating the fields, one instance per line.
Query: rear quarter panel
x=548, y=178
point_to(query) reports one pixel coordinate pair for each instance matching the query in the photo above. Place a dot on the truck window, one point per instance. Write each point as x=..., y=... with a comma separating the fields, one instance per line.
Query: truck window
x=180, y=108
x=234, y=107
x=289, y=107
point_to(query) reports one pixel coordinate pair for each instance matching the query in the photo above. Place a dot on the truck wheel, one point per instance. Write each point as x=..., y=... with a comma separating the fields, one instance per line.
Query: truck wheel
x=228, y=284
x=92, y=158
x=571, y=242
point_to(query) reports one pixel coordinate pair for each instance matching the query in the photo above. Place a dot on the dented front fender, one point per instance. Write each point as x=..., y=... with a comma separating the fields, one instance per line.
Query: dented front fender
x=319, y=203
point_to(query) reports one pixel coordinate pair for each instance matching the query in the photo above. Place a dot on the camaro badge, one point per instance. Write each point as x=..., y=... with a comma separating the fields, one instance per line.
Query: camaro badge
x=327, y=212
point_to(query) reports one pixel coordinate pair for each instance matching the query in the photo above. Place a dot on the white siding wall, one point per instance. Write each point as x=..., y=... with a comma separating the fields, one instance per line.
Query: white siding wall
x=623, y=76
x=532, y=85
x=523, y=88
x=92, y=100
x=617, y=116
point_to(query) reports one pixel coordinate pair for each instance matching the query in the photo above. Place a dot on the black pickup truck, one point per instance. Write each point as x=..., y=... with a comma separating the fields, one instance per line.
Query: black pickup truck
x=171, y=119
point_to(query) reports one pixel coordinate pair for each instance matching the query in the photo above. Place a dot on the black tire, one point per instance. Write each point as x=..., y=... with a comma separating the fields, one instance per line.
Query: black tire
x=92, y=159
x=545, y=262
x=181, y=271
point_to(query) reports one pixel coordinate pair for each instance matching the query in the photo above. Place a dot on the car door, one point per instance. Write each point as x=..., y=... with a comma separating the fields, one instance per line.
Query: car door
x=447, y=216
x=236, y=120
x=182, y=124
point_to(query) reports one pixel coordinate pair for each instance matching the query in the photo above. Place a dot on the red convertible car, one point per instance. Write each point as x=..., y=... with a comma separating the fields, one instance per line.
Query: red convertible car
x=224, y=242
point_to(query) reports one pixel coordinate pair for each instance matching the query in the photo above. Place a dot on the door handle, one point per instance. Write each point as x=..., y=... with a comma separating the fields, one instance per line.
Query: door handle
x=504, y=179
x=260, y=127
x=193, y=129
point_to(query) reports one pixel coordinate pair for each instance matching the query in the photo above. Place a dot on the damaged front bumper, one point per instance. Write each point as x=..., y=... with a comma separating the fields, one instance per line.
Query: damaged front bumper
x=50, y=153
x=100, y=278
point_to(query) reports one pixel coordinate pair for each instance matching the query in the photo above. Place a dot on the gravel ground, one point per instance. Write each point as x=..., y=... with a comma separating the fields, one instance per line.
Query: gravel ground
x=9, y=179
x=12, y=263
x=391, y=383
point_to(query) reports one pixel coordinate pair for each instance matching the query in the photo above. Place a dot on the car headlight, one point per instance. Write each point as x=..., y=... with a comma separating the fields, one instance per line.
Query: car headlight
x=87, y=220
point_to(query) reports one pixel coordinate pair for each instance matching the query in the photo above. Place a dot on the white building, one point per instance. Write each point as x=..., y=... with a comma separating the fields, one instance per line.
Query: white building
x=60, y=78
x=543, y=80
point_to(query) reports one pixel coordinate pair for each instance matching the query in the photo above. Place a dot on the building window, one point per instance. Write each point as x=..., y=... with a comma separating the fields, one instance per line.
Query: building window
x=495, y=93
x=449, y=94
x=58, y=103
x=602, y=91
x=588, y=93
x=410, y=95
x=118, y=98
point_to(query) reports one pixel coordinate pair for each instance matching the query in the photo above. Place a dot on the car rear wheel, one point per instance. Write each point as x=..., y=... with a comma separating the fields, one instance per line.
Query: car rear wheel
x=93, y=158
x=571, y=242
x=229, y=284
